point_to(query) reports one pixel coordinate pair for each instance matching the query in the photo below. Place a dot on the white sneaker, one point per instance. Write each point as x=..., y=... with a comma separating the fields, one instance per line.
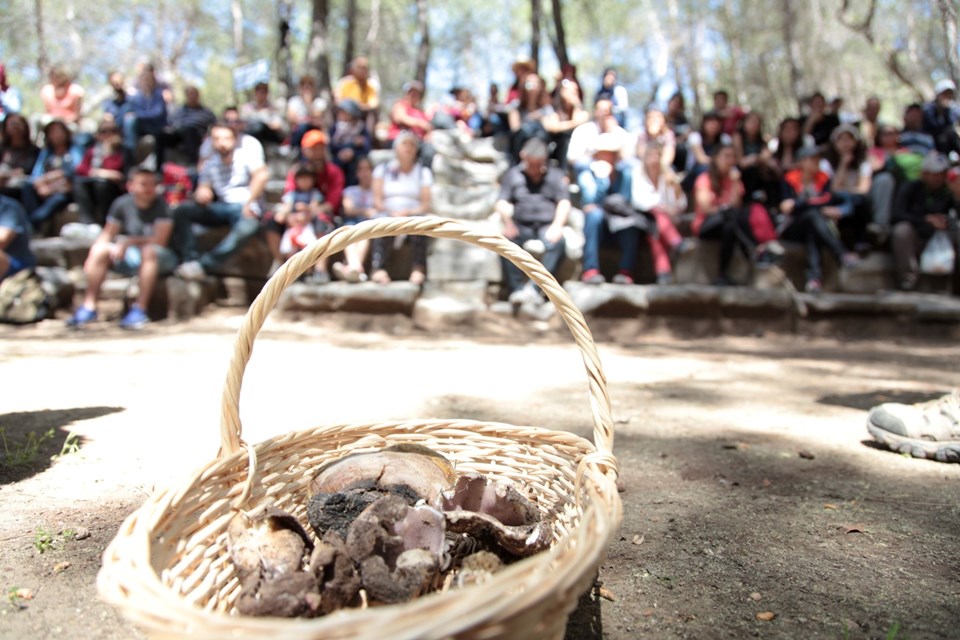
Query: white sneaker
x=191, y=271
x=535, y=247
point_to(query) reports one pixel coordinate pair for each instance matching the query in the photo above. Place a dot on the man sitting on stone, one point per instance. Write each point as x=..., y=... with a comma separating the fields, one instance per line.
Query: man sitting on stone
x=923, y=207
x=264, y=119
x=245, y=142
x=941, y=115
x=15, y=254
x=329, y=181
x=583, y=147
x=118, y=105
x=533, y=206
x=229, y=192
x=189, y=125
x=359, y=87
x=133, y=242
x=149, y=109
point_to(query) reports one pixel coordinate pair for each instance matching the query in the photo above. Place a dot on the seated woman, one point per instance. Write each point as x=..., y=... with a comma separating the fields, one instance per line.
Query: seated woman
x=527, y=118
x=62, y=98
x=357, y=207
x=761, y=179
x=656, y=133
x=401, y=188
x=720, y=215
x=301, y=105
x=789, y=140
x=568, y=114
x=702, y=145
x=51, y=182
x=657, y=193
x=604, y=224
x=851, y=178
x=101, y=174
x=406, y=114
x=887, y=176
x=18, y=155
x=349, y=139
x=807, y=206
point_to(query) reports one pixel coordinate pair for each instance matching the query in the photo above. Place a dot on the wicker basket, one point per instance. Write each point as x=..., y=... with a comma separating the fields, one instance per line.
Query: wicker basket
x=169, y=570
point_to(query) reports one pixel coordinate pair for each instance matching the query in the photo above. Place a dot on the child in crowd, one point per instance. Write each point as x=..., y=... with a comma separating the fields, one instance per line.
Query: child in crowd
x=299, y=210
x=133, y=242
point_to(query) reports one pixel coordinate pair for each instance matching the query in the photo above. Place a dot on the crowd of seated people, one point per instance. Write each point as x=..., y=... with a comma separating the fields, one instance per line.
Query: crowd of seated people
x=832, y=181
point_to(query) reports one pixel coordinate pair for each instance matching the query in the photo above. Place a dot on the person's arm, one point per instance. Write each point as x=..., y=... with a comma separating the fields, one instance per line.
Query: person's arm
x=377, y=188
x=162, y=230
x=258, y=182
x=334, y=189
x=695, y=144
x=399, y=115
x=513, y=119
x=704, y=197
x=865, y=180
x=424, y=207
x=7, y=235
x=562, y=210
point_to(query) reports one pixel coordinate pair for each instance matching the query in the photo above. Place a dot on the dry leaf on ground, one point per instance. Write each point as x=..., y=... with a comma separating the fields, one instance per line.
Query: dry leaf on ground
x=766, y=616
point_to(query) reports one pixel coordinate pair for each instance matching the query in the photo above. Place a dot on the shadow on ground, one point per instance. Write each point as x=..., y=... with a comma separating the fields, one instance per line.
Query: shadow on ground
x=31, y=439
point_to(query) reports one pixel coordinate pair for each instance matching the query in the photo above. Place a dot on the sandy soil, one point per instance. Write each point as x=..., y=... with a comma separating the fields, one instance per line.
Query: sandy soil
x=724, y=518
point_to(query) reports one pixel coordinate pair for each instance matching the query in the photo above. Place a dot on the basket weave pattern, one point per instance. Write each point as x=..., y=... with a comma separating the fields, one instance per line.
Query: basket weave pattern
x=169, y=570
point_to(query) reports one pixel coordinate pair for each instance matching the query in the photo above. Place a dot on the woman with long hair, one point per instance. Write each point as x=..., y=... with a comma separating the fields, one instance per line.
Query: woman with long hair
x=527, y=118
x=49, y=189
x=568, y=114
x=720, y=215
x=657, y=193
x=851, y=178
x=18, y=155
x=702, y=145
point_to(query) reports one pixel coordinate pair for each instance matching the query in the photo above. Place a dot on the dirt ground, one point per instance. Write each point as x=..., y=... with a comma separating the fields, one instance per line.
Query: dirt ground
x=724, y=518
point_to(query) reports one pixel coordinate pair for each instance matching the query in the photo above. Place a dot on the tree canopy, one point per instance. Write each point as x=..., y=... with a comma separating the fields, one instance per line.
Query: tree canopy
x=766, y=53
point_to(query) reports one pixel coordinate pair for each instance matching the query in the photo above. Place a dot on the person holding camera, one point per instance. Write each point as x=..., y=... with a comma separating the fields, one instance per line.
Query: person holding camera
x=809, y=207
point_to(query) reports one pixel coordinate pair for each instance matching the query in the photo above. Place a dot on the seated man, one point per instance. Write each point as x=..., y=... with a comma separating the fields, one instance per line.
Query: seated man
x=940, y=117
x=189, y=125
x=533, y=205
x=118, y=105
x=922, y=208
x=359, y=87
x=328, y=180
x=133, y=242
x=583, y=146
x=246, y=143
x=264, y=120
x=623, y=224
x=149, y=108
x=15, y=254
x=229, y=192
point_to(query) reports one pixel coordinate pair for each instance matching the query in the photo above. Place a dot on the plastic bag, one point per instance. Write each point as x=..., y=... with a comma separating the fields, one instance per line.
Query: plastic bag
x=938, y=256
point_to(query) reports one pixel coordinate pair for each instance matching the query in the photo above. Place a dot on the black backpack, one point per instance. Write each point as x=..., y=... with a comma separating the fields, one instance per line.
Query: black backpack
x=23, y=299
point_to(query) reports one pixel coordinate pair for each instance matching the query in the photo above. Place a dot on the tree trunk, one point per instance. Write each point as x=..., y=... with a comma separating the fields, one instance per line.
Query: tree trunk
x=423, y=48
x=43, y=63
x=236, y=13
x=349, y=47
x=948, y=18
x=284, y=57
x=536, y=17
x=373, y=33
x=318, y=53
x=790, y=40
x=561, y=43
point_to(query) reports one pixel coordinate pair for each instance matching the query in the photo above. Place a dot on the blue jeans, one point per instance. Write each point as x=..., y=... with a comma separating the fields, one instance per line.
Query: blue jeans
x=595, y=231
x=40, y=210
x=215, y=214
x=551, y=258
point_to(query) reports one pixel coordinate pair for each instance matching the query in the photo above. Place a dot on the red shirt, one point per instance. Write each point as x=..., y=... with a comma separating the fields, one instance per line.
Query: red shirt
x=409, y=110
x=114, y=162
x=329, y=182
x=731, y=190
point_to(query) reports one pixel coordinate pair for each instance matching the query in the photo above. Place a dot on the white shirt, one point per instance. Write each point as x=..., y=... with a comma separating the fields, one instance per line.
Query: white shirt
x=231, y=182
x=647, y=196
x=583, y=142
x=402, y=190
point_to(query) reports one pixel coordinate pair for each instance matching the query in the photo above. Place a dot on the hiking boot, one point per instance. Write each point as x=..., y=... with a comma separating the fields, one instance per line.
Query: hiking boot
x=593, y=276
x=924, y=430
x=814, y=286
x=623, y=278
x=526, y=295
x=81, y=317
x=135, y=319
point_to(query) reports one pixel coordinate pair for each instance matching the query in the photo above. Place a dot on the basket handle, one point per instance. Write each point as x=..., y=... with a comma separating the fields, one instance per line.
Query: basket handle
x=230, y=427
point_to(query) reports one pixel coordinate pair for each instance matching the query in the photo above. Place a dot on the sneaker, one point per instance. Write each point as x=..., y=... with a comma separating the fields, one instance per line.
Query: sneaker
x=685, y=246
x=190, y=271
x=82, y=316
x=850, y=260
x=345, y=273
x=623, y=278
x=135, y=319
x=814, y=286
x=535, y=247
x=924, y=430
x=593, y=276
x=526, y=295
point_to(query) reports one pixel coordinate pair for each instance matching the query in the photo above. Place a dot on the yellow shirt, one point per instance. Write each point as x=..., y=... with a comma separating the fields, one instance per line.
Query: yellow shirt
x=349, y=89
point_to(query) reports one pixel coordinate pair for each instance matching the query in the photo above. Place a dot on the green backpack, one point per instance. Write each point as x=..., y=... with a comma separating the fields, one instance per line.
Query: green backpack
x=22, y=298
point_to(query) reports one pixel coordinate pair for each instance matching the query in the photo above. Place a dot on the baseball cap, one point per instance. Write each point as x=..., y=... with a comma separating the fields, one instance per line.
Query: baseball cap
x=944, y=85
x=935, y=163
x=312, y=138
